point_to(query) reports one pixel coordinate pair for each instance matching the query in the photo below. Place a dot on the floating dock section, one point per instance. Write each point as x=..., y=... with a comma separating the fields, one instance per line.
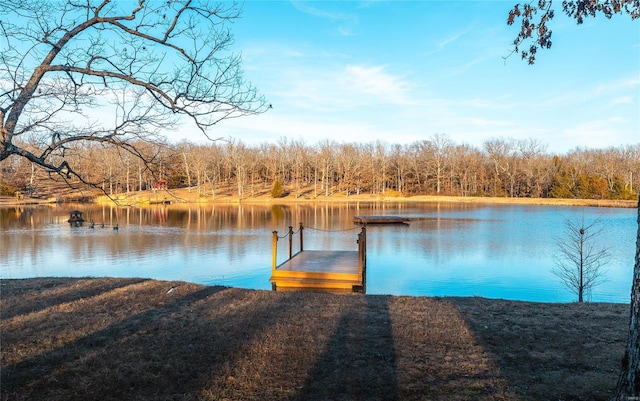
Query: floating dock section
x=325, y=270
x=381, y=220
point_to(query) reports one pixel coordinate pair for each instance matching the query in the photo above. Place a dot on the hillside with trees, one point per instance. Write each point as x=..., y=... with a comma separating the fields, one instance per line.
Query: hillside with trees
x=502, y=167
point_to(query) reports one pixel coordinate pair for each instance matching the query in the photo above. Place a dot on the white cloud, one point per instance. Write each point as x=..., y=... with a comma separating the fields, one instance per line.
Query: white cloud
x=600, y=133
x=310, y=8
x=375, y=81
x=346, y=31
x=483, y=122
x=450, y=39
x=311, y=128
x=622, y=100
x=322, y=82
x=591, y=92
x=617, y=85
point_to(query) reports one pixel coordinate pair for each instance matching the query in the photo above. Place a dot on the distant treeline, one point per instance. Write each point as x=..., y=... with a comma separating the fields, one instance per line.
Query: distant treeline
x=436, y=166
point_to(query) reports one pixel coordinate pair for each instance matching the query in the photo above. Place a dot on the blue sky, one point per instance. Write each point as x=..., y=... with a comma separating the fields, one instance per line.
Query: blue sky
x=402, y=71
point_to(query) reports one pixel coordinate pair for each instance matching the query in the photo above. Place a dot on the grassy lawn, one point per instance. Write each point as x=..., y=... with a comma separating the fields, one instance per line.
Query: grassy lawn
x=136, y=339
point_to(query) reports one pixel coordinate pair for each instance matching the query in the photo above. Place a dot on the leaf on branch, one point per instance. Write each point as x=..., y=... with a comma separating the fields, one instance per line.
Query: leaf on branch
x=577, y=10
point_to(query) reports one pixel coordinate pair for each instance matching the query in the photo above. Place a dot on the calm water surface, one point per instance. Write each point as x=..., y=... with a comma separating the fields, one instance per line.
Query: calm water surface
x=493, y=251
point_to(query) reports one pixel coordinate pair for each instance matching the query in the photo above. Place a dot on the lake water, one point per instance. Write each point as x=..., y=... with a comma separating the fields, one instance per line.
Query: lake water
x=449, y=249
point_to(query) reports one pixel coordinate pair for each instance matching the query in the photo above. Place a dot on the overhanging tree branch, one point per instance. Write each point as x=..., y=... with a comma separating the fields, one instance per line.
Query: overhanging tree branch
x=535, y=15
x=151, y=61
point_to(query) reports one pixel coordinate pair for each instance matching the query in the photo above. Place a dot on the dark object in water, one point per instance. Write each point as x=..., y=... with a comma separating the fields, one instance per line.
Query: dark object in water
x=75, y=217
x=381, y=220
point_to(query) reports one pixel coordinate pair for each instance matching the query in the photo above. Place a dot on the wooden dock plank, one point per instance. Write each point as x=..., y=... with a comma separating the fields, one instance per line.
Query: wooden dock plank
x=327, y=270
x=323, y=262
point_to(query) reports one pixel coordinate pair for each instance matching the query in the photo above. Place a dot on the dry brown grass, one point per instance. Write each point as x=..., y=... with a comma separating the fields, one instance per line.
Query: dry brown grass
x=227, y=195
x=133, y=339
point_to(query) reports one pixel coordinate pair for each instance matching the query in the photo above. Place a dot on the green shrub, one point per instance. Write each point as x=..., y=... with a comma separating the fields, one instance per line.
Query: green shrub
x=8, y=190
x=277, y=190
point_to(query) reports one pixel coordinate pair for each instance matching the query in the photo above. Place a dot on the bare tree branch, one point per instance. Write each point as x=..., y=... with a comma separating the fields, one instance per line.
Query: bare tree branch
x=534, y=16
x=114, y=73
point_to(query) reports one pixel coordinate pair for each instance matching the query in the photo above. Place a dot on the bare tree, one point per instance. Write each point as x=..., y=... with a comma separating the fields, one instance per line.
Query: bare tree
x=113, y=73
x=500, y=152
x=298, y=155
x=579, y=260
x=439, y=146
x=347, y=160
x=326, y=160
x=238, y=155
x=530, y=153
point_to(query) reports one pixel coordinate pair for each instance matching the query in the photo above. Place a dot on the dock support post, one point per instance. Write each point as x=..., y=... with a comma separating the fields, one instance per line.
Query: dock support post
x=301, y=242
x=362, y=250
x=359, y=242
x=274, y=251
x=362, y=258
x=290, y=241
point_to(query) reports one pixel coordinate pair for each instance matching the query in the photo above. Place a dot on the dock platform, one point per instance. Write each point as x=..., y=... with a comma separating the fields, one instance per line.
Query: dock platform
x=381, y=220
x=326, y=270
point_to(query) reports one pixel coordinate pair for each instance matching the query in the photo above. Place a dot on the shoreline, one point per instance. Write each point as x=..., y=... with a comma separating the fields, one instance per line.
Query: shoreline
x=185, y=197
x=36, y=282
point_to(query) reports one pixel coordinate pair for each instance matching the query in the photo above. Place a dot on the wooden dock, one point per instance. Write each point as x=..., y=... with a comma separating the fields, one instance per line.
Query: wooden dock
x=381, y=220
x=326, y=270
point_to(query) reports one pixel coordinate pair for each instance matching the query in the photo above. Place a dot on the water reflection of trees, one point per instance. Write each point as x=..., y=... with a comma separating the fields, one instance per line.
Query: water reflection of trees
x=205, y=240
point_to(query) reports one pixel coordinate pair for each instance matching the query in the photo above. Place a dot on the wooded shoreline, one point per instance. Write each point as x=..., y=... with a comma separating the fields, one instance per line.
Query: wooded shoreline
x=184, y=196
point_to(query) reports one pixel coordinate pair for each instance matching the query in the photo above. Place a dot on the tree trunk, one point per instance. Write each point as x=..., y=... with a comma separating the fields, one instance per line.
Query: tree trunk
x=32, y=179
x=629, y=381
x=186, y=170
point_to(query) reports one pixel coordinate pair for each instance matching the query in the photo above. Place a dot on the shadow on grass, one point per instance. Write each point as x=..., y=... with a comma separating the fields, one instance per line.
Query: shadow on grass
x=146, y=342
x=25, y=373
x=166, y=352
x=551, y=351
x=48, y=292
x=359, y=362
